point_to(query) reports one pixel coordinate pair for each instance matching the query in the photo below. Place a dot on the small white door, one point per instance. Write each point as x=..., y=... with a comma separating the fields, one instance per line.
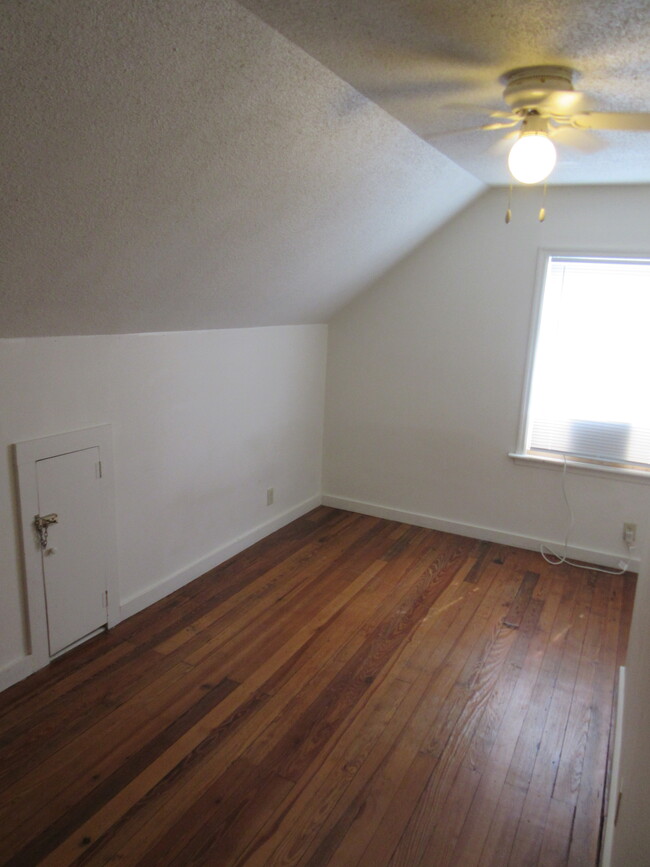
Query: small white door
x=74, y=557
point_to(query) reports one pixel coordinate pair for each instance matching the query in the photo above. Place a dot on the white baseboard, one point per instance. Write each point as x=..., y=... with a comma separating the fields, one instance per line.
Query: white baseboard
x=615, y=770
x=487, y=534
x=179, y=579
x=15, y=671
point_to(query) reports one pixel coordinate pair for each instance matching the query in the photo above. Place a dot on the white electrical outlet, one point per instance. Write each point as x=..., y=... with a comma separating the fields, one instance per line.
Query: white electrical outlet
x=629, y=533
x=269, y=496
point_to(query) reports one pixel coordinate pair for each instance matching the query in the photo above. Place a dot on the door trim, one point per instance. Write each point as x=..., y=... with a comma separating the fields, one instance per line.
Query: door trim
x=25, y=455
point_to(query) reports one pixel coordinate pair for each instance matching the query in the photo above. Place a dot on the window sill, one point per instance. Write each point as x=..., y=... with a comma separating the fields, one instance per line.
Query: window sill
x=549, y=463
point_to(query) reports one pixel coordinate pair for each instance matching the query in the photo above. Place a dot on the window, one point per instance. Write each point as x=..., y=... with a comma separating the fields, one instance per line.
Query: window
x=589, y=390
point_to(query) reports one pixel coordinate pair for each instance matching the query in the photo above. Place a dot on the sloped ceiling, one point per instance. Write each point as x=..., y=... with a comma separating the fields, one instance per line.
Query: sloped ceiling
x=185, y=165
x=436, y=64
x=181, y=165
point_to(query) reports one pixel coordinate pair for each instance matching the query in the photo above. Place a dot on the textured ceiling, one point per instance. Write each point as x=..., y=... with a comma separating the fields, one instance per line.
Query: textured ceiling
x=209, y=164
x=172, y=166
x=422, y=60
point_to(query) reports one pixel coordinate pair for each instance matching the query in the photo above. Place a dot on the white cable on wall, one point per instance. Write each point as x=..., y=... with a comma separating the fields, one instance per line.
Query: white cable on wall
x=563, y=558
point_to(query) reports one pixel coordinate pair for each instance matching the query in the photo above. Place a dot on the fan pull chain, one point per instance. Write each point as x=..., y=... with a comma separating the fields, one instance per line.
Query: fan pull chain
x=509, y=210
x=542, y=210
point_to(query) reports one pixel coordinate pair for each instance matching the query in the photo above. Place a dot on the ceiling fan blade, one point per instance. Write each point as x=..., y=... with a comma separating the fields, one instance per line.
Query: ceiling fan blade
x=491, y=126
x=578, y=139
x=446, y=133
x=464, y=130
x=617, y=120
x=502, y=145
x=478, y=109
x=506, y=115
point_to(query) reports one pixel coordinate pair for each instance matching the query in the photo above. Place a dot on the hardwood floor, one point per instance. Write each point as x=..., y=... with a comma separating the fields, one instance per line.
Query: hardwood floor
x=349, y=691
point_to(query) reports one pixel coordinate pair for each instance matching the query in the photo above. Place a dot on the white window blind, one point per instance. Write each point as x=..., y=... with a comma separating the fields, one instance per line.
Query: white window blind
x=590, y=389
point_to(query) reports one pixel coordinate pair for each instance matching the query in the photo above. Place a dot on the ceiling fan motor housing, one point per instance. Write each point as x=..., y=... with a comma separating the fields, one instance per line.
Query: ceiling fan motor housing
x=537, y=87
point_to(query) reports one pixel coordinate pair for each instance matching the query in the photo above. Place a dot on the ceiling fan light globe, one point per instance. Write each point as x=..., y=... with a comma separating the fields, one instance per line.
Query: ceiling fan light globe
x=532, y=158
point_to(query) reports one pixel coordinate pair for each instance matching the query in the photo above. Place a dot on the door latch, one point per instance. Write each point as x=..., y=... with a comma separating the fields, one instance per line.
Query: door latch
x=42, y=523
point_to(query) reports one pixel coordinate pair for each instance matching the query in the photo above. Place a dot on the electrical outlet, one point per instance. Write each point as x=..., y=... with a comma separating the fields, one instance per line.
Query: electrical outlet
x=629, y=533
x=269, y=496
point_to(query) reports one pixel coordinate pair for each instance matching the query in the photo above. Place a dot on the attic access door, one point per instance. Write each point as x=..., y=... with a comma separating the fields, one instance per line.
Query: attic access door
x=66, y=507
x=72, y=556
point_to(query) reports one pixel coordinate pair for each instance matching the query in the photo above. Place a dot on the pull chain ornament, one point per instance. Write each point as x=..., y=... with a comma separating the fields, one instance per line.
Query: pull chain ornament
x=542, y=210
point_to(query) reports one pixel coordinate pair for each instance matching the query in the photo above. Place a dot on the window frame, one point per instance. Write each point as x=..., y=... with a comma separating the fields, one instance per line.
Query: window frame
x=520, y=455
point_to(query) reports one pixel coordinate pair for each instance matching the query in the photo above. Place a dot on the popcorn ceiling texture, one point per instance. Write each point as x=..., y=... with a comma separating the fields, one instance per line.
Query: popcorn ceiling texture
x=174, y=166
x=428, y=61
x=170, y=166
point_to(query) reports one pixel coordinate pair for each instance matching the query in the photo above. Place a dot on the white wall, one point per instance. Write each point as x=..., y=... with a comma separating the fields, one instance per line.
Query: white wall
x=631, y=838
x=203, y=423
x=426, y=369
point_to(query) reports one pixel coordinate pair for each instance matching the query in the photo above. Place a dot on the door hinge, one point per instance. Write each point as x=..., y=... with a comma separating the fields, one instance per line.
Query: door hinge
x=99, y=469
x=105, y=598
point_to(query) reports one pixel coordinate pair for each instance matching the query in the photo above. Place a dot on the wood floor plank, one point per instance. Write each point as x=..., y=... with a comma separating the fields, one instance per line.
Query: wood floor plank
x=249, y=609
x=111, y=812
x=521, y=767
x=557, y=837
x=33, y=702
x=431, y=830
x=360, y=630
x=293, y=831
x=54, y=727
x=532, y=824
x=441, y=753
x=122, y=776
x=52, y=788
x=348, y=691
x=585, y=840
x=519, y=604
x=567, y=784
x=349, y=837
x=275, y=751
x=300, y=818
x=628, y=591
x=215, y=826
x=492, y=749
x=503, y=827
x=172, y=802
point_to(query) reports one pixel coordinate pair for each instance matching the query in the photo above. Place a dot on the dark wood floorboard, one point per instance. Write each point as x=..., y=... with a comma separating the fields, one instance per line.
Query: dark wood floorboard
x=349, y=691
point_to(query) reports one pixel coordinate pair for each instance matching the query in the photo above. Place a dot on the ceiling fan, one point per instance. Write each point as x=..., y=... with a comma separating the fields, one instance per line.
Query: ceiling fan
x=543, y=104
